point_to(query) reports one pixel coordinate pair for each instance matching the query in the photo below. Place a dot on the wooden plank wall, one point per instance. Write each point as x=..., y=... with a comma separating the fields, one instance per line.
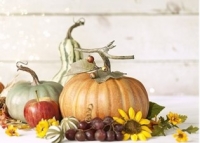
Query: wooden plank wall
x=161, y=34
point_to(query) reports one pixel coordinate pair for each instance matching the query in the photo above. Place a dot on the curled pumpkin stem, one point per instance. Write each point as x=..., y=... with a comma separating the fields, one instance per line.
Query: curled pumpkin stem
x=23, y=68
x=103, y=52
x=80, y=22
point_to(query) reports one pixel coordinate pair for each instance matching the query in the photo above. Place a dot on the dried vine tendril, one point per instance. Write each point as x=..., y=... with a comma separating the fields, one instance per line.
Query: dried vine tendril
x=88, y=117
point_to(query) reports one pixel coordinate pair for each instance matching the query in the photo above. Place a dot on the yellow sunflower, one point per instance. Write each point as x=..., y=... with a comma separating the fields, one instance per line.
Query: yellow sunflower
x=12, y=131
x=41, y=128
x=174, y=118
x=181, y=136
x=135, y=127
x=53, y=122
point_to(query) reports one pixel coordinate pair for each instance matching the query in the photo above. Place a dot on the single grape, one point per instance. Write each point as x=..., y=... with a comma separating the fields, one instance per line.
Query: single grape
x=89, y=126
x=98, y=124
x=108, y=120
x=118, y=127
x=110, y=135
x=80, y=136
x=83, y=125
x=118, y=136
x=95, y=119
x=70, y=134
x=100, y=135
x=90, y=134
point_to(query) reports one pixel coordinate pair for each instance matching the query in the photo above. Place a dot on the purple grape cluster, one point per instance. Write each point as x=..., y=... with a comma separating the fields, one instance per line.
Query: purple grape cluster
x=97, y=129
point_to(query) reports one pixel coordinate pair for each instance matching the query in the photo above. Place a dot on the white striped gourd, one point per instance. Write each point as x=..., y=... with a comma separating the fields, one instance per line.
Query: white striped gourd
x=55, y=134
x=69, y=123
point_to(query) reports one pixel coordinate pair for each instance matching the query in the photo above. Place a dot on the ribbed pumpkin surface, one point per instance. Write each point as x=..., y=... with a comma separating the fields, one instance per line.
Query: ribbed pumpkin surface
x=106, y=97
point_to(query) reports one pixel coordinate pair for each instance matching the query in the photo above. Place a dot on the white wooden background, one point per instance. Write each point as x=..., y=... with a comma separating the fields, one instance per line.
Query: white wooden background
x=161, y=34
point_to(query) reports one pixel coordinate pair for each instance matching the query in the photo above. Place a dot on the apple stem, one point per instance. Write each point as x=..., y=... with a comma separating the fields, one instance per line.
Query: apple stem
x=37, y=97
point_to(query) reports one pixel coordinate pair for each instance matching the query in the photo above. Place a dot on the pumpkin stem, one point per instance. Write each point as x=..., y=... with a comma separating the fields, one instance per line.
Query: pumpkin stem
x=103, y=52
x=80, y=22
x=37, y=97
x=23, y=68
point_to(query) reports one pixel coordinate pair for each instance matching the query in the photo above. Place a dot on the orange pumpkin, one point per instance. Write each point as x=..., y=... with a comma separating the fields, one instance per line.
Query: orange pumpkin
x=106, y=98
x=1, y=87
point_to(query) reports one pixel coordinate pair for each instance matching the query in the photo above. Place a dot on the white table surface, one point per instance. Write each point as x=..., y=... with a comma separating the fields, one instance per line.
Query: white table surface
x=184, y=105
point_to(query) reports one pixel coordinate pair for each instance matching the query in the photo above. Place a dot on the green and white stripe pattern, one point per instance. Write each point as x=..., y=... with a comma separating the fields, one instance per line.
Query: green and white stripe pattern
x=68, y=56
x=55, y=134
x=69, y=123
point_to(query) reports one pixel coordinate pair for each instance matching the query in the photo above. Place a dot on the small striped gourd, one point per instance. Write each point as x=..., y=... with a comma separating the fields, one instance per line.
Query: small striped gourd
x=55, y=134
x=69, y=123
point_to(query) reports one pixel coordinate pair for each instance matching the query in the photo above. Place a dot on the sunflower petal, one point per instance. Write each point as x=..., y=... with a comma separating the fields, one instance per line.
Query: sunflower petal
x=145, y=128
x=123, y=114
x=131, y=113
x=138, y=116
x=146, y=134
x=142, y=137
x=144, y=121
x=119, y=120
x=126, y=137
x=134, y=137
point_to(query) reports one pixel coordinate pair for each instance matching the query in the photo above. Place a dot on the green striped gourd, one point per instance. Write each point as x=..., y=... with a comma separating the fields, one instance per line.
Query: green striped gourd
x=68, y=54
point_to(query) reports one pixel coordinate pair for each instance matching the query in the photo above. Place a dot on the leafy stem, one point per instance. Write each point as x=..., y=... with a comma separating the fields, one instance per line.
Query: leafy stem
x=160, y=128
x=165, y=124
x=191, y=129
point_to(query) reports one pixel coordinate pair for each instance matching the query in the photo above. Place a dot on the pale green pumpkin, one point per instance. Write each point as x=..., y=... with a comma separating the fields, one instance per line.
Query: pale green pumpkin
x=23, y=91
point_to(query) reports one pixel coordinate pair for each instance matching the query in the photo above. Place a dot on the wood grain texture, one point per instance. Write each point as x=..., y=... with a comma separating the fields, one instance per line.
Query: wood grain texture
x=162, y=35
x=91, y=7
x=148, y=38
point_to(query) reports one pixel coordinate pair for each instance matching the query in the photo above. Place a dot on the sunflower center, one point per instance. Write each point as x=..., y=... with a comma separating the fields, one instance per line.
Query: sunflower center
x=132, y=127
x=180, y=135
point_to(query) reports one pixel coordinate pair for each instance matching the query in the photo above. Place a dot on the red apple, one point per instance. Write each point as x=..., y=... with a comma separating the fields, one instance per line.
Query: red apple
x=35, y=110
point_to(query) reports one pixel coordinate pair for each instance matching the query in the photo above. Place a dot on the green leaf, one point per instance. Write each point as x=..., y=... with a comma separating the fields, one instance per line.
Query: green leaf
x=158, y=130
x=154, y=110
x=183, y=118
x=81, y=66
x=103, y=76
x=191, y=129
